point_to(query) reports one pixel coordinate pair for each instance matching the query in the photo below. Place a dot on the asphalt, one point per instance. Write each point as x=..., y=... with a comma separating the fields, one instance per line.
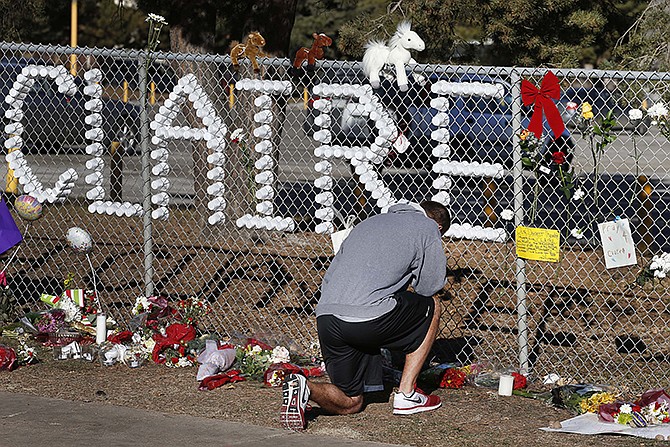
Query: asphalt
x=36, y=421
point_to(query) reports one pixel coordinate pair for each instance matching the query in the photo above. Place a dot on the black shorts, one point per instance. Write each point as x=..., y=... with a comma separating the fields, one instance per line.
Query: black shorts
x=351, y=351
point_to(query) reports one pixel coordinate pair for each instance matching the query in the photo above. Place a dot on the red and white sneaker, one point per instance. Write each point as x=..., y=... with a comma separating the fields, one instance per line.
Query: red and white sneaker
x=295, y=395
x=414, y=403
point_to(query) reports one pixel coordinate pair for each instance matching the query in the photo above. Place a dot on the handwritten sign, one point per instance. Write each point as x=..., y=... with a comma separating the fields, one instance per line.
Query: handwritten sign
x=538, y=244
x=618, y=245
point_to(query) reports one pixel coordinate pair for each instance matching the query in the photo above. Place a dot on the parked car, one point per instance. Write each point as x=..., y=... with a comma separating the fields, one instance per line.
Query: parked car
x=480, y=128
x=54, y=122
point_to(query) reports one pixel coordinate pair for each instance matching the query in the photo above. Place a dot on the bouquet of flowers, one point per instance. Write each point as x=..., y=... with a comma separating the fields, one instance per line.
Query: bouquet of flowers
x=658, y=268
x=582, y=398
x=653, y=408
x=253, y=359
x=191, y=310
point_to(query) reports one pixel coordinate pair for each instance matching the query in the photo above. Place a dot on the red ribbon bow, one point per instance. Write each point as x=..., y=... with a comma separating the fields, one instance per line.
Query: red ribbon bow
x=543, y=104
x=3, y=279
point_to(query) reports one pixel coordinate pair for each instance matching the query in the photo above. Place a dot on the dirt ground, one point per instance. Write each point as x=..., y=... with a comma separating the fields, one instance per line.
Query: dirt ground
x=470, y=416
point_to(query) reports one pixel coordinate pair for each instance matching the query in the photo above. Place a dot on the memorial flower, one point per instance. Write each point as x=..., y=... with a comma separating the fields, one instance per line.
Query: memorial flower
x=453, y=378
x=507, y=214
x=577, y=233
x=659, y=115
x=587, y=111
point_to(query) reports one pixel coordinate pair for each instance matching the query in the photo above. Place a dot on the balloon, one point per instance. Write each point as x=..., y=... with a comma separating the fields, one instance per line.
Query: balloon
x=28, y=207
x=79, y=239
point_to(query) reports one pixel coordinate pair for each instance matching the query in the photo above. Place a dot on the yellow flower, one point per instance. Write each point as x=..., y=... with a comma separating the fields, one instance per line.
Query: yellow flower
x=524, y=134
x=587, y=111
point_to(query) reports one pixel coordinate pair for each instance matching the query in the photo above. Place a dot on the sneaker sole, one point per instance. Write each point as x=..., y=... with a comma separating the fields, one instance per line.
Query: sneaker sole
x=415, y=410
x=291, y=415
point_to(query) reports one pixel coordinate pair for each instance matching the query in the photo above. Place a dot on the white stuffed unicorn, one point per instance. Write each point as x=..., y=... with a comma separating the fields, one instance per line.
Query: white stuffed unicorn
x=396, y=53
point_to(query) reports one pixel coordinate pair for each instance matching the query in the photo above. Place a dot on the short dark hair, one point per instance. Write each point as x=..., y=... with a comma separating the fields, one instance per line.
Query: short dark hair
x=439, y=213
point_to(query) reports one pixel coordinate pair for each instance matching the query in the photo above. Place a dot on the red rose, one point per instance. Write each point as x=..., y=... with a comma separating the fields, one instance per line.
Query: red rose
x=558, y=157
x=519, y=381
x=453, y=378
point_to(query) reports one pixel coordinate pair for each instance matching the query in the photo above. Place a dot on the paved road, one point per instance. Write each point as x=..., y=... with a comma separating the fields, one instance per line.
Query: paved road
x=27, y=421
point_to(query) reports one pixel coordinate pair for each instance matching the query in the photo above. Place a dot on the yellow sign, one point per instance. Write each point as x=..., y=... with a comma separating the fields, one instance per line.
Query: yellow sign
x=538, y=244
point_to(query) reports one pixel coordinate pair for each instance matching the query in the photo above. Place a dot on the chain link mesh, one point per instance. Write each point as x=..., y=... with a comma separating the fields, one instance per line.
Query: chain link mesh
x=183, y=212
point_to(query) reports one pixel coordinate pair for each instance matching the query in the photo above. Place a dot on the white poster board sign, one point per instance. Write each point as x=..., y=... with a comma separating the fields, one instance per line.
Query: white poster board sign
x=618, y=246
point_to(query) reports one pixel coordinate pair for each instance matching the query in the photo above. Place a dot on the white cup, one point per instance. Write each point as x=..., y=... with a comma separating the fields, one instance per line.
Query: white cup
x=506, y=385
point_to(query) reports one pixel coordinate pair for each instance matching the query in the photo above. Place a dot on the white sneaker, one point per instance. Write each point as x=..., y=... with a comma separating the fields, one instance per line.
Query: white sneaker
x=414, y=403
x=295, y=395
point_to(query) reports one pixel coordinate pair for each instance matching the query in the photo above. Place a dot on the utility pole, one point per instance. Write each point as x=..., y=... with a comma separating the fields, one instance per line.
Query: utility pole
x=73, y=36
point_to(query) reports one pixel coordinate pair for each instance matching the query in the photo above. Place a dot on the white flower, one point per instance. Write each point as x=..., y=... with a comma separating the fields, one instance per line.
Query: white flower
x=626, y=409
x=238, y=134
x=183, y=362
x=72, y=311
x=142, y=304
x=156, y=19
x=507, y=215
x=577, y=233
x=635, y=114
x=280, y=355
x=657, y=110
x=578, y=195
x=256, y=349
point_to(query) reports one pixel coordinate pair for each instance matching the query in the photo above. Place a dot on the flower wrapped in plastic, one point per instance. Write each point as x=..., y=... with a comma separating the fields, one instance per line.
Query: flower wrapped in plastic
x=652, y=408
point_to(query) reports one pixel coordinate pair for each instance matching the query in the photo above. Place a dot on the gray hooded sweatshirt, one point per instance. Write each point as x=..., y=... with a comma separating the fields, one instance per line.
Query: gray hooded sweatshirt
x=381, y=256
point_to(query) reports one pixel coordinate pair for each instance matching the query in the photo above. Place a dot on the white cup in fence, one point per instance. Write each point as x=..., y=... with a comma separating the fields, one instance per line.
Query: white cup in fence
x=323, y=120
x=263, y=101
x=263, y=131
x=241, y=222
x=264, y=178
x=161, y=213
x=93, y=90
x=267, y=192
x=95, y=149
x=14, y=114
x=94, y=178
x=217, y=158
x=263, y=117
x=325, y=198
x=323, y=136
x=215, y=189
x=95, y=163
x=505, y=385
x=216, y=218
x=324, y=228
x=264, y=162
x=217, y=204
x=265, y=207
x=160, y=199
x=216, y=173
x=264, y=147
x=14, y=128
x=94, y=119
x=92, y=75
x=93, y=105
x=161, y=155
x=95, y=134
x=15, y=141
x=161, y=169
x=323, y=167
x=324, y=214
x=324, y=182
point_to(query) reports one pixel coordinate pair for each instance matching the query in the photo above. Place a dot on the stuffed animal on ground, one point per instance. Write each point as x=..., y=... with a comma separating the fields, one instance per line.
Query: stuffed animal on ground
x=311, y=54
x=251, y=48
x=396, y=53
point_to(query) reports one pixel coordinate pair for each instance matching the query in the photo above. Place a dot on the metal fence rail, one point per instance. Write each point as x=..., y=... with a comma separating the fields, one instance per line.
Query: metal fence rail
x=180, y=202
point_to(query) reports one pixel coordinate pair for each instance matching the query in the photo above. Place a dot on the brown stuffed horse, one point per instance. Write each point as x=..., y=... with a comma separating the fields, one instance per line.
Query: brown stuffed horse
x=251, y=48
x=313, y=53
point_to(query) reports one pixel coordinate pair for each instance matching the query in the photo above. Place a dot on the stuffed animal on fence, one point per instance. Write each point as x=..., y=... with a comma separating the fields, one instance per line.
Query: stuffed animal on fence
x=251, y=48
x=396, y=53
x=311, y=54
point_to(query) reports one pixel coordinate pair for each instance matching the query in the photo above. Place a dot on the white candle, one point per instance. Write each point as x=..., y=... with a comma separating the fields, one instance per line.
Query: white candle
x=505, y=385
x=100, y=328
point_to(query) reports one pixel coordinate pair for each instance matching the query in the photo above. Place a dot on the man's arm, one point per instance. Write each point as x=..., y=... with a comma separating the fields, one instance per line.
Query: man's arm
x=431, y=275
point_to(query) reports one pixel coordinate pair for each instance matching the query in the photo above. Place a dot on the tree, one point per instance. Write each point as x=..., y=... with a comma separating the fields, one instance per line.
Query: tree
x=646, y=44
x=18, y=17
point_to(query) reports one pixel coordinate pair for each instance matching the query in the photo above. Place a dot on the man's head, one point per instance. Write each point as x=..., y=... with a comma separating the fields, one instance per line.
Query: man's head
x=439, y=213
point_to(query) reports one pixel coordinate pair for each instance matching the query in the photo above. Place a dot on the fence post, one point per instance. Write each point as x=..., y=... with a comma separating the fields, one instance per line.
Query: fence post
x=517, y=172
x=147, y=224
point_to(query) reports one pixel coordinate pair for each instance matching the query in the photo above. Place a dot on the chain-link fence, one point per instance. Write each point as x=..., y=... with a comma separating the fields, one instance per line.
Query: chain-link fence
x=147, y=157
